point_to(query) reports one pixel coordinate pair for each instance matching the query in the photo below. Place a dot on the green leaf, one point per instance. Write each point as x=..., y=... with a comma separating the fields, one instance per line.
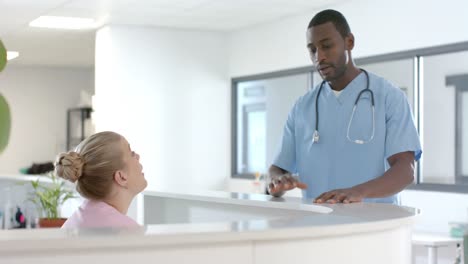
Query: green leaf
x=49, y=196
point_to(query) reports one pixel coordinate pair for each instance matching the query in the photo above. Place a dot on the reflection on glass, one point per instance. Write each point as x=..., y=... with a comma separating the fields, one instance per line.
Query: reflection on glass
x=262, y=109
x=399, y=72
x=256, y=140
x=440, y=115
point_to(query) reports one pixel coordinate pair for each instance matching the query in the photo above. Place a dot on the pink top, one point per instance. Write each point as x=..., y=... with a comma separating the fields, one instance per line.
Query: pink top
x=98, y=214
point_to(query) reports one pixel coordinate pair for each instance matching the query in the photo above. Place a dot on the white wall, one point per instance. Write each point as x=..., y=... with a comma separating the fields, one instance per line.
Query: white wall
x=39, y=98
x=269, y=47
x=167, y=91
x=379, y=27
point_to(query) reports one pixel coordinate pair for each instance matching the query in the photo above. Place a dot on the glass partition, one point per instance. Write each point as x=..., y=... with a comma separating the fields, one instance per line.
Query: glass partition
x=262, y=107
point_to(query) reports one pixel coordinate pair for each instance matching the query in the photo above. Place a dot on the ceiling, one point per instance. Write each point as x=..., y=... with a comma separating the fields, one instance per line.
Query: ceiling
x=76, y=48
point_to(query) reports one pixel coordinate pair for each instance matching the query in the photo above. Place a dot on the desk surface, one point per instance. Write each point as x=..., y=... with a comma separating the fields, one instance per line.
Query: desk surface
x=312, y=221
x=334, y=213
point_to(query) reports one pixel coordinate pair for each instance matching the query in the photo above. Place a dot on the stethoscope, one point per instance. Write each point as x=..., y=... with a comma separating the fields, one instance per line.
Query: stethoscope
x=316, y=135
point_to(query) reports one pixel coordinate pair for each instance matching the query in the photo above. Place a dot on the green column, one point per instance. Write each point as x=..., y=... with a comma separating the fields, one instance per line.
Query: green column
x=3, y=56
x=5, y=117
x=5, y=123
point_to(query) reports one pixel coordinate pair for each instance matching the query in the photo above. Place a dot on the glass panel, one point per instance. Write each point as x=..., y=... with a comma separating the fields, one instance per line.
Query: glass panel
x=439, y=116
x=250, y=95
x=256, y=145
x=399, y=72
x=464, y=131
x=317, y=79
x=277, y=96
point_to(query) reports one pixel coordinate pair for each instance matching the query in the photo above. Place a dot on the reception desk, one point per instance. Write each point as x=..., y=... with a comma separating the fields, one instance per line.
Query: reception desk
x=218, y=227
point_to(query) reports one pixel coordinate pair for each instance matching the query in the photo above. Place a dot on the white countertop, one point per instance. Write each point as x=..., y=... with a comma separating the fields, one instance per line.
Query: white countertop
x=334, y=214
x=314, y=221
x=247, y=199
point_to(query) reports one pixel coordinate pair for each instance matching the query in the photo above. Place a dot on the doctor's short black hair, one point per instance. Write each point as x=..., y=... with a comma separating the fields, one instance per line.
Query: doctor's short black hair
x=330, y=15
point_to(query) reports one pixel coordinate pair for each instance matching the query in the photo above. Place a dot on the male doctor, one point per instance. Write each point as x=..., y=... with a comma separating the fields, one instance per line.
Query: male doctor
x=343, y=155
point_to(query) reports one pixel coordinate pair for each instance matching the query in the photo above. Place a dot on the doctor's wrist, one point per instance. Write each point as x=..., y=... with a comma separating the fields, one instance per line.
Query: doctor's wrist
x=362, y=191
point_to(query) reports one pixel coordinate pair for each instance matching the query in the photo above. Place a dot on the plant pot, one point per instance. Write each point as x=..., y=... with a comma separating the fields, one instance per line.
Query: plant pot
x=51, y=222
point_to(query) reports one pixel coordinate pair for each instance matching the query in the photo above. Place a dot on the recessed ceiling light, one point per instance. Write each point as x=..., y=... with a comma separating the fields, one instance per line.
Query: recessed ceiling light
x=12, y=54
x=63, y=22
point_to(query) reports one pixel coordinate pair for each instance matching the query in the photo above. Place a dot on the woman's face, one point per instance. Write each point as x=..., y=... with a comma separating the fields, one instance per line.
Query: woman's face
x=134, y=169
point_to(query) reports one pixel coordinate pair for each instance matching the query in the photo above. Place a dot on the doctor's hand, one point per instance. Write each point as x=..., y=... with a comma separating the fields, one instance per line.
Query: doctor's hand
x=280, y=184
x=349, y=195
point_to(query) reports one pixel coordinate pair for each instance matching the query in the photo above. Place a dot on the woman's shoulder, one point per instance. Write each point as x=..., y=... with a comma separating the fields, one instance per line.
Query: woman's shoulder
x=93, y=214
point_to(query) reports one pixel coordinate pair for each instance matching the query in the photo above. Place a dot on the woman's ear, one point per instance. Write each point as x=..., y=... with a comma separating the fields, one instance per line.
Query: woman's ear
x=120, y=177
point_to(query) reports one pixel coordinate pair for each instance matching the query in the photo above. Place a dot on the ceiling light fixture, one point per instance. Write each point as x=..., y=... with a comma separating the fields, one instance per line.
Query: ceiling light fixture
x=63, y=22
x=12, y=54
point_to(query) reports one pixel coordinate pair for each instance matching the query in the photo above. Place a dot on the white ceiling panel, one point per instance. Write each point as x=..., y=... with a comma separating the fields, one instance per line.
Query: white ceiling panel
x=76, y=48
x=38, y=46
x=19, y=13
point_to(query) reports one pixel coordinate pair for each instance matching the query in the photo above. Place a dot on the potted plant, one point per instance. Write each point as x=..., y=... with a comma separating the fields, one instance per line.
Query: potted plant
x=48, y=197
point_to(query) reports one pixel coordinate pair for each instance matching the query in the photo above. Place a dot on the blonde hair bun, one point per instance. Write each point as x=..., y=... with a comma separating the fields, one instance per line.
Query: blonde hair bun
x=69, y=166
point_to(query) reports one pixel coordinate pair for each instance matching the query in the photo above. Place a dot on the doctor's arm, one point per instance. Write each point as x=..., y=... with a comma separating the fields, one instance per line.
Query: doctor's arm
x=395, y=179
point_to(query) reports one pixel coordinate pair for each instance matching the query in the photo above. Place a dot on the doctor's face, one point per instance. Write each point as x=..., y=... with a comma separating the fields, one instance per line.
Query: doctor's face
x=329, y=51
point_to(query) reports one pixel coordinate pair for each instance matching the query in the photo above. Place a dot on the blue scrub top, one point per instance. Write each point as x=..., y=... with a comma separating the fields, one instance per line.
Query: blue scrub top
x=335, y=162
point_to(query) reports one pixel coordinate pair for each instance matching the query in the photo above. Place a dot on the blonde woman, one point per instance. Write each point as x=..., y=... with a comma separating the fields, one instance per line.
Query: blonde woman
x=108, y=174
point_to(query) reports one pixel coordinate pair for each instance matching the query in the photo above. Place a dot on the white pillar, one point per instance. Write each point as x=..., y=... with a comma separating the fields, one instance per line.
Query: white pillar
x=167, y=91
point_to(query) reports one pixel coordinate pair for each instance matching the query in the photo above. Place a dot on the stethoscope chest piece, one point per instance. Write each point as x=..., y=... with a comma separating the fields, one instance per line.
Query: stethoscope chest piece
x=316, y=137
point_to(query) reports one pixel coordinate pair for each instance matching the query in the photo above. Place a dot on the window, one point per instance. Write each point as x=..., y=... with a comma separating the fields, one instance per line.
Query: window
x=439, y=112
x=445, y=114
x=399, y=72
x=434, y=79
x=262, y=107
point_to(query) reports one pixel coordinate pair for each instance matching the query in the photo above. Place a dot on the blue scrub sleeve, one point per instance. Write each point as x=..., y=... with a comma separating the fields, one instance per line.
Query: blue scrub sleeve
x=402, y=134
x=286, y=154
